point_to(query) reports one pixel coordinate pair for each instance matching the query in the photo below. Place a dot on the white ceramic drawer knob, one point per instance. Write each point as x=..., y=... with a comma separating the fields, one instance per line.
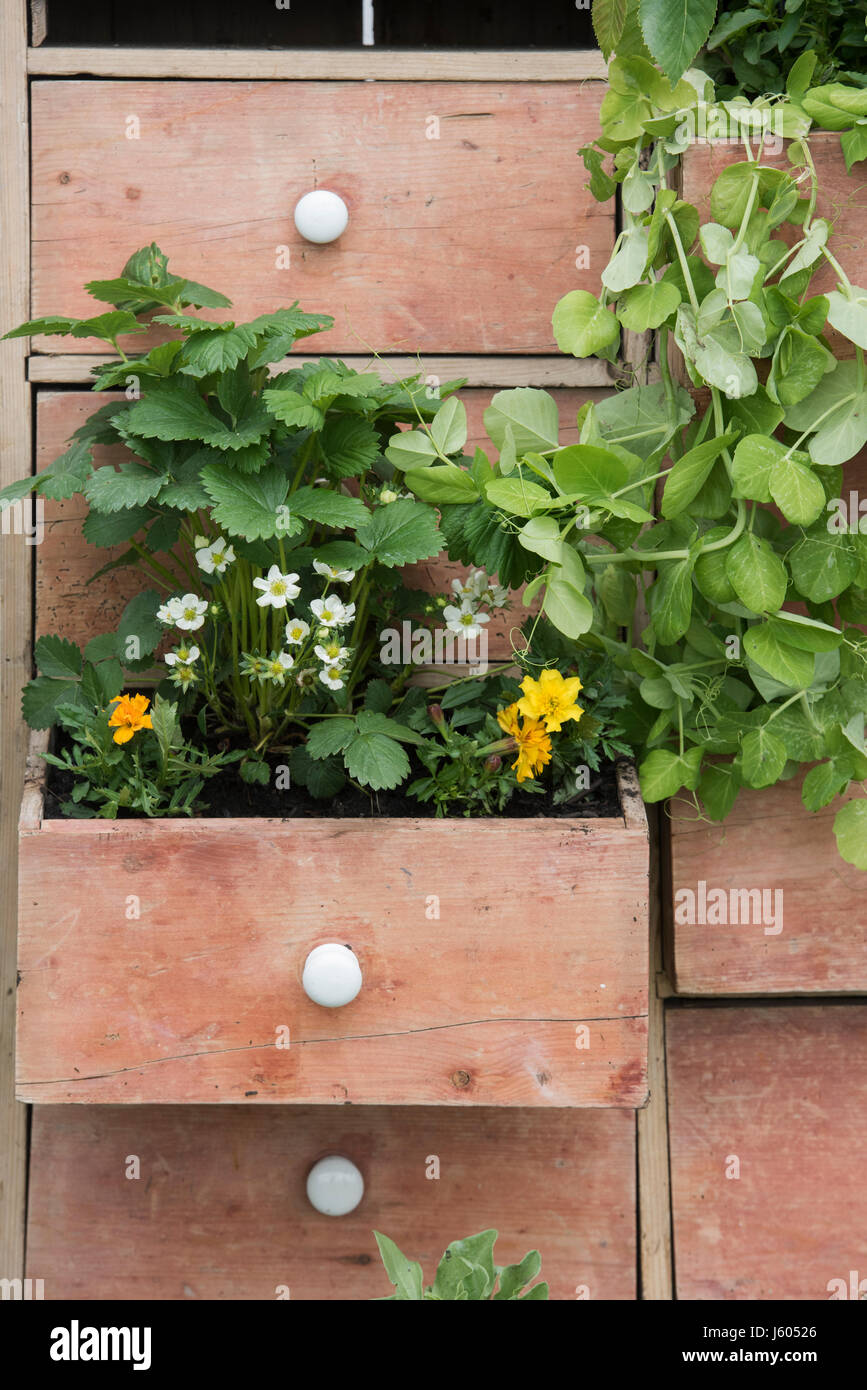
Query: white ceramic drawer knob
x=334, y=1186
x=332, y=975
x=321, y=216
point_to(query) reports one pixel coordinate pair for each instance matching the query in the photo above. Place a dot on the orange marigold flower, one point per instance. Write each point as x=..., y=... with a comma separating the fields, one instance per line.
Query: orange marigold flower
x=128, y=716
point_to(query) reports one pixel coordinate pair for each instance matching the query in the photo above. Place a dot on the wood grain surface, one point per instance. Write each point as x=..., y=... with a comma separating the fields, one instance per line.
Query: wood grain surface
x=460, y=243
x=162, y=961
x=769, y=842
x=779, y=1095
x=220, y=1209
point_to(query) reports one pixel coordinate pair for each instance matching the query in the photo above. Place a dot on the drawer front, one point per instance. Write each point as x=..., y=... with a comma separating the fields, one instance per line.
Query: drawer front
x=462, y=242
x=220, y=1210
x=503, y=962
x=786, y=938
x=68, y=604
x=767, y=1109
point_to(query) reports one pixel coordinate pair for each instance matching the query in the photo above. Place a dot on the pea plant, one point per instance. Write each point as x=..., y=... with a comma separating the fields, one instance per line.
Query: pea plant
x=691, y=535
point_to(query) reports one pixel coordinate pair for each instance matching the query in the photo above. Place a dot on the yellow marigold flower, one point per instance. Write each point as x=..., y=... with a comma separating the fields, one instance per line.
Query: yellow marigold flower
x=552, y=698
x=534, y=749
x=508, y=719
x=128, y=716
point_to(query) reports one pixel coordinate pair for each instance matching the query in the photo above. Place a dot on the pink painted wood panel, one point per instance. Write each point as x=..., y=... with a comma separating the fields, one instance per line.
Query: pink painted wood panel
x=220, y=1210
x=541, y=929
x=770, y=842
x=779, y=1095
x=459, y=243
x=68, y=604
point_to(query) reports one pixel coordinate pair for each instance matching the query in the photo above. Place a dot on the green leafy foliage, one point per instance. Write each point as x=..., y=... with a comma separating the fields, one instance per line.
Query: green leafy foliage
x=466, y=1272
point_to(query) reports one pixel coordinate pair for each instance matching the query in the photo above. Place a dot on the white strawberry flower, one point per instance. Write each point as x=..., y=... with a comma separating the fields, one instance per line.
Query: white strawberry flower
x=183, y=675
x=332, y=676
x=465, y=620
x=296, y=631
x=332, y=612
x=188, y=612
x=333, y=573
x=463, y=589
x=213, y=558
x=331, y=653
x=183, y=656
x=277, y=588
x=278, y=665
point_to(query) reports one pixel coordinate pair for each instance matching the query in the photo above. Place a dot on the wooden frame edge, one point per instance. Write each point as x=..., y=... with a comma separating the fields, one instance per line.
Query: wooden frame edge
x=329, y=64
x=655, y=1214
x=481, y=371
x=15, y=611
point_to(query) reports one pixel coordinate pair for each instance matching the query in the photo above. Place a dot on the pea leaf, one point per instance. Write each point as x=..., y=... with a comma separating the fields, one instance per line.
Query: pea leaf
x=850, y=828
x=449, y=427
x=840, y=404
x=823, y=564
x=626, y=266
x=756, y=573
x=687, y=475
x=647, y=306
x=718, y=788
x=763, y=757
x=441, y=484
x=517, y=496
x=663, y=772
x=531, y=414
x=582, y=326
x=849, y=315
x=785, y=663
x=411, y=449
x=796, y=490
x=670, y=599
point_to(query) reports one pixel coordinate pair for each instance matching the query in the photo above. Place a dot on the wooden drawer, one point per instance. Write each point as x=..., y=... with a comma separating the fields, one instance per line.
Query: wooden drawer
x=808, y=934
x=504, y=961
x=68, y=604
x=459, y=243
x=220, y=1210
x=768, y=1108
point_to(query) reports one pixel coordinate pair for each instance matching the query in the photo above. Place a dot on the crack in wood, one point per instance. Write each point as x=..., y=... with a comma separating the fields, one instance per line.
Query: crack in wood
x=310, y=1042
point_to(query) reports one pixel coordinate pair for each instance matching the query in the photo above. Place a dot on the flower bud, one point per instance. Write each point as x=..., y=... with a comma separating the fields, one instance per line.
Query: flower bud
x=493, y=763
x=436, y=714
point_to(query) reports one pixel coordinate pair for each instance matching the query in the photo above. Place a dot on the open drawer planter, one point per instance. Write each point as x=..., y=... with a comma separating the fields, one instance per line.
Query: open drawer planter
x=504, y=962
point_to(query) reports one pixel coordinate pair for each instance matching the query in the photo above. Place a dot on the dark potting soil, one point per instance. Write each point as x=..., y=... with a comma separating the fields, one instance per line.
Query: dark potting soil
x=228, y=795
